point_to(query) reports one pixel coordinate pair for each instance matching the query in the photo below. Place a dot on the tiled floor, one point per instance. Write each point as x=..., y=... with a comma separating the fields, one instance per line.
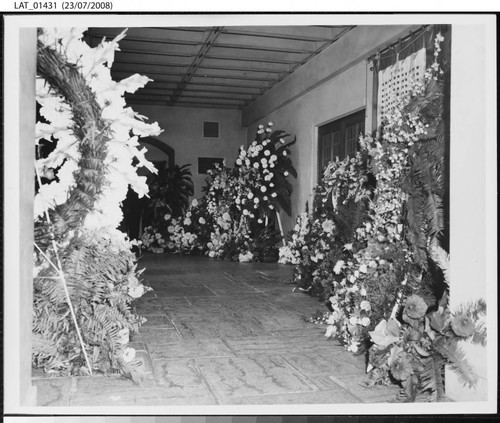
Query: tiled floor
x=221, y=333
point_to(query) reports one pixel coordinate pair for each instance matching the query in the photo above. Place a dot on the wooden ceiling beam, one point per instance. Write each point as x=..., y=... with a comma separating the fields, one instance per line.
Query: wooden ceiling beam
x=203, y=50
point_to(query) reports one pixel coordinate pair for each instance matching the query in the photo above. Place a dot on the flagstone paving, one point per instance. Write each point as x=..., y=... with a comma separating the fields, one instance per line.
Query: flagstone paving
x=222, y=333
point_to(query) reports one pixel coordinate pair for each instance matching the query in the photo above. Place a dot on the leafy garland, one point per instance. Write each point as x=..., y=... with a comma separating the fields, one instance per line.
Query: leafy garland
x=85, y=278
x=383, y=269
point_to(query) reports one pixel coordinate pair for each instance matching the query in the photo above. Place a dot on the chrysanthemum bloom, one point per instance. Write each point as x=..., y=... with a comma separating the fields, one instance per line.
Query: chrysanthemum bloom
x=401, y=367
x=327, y=226
x=463, y=325
x=415, y=307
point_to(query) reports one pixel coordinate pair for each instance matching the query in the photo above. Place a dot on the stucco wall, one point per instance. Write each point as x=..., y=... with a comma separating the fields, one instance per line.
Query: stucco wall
x=182, y=130
x=331, y=85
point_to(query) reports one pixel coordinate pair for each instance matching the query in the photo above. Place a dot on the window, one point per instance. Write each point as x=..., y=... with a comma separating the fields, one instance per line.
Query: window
x=210, y=129
x=207, y=163
x=339, y=139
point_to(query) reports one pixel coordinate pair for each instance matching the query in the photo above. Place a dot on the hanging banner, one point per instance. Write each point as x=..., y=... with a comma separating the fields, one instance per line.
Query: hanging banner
x=397, y=79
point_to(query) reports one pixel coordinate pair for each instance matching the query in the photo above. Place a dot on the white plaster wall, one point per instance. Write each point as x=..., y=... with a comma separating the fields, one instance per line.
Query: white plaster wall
x=335, y=98
x=473, y=234
x=182, y=130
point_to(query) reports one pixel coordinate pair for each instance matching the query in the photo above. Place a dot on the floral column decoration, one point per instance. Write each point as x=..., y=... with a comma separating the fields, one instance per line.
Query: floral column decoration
x=85, y=277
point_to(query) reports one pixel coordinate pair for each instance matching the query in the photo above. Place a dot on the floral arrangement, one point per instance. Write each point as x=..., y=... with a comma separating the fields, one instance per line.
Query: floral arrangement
x=152, y=239
x=386, y=205
x=85, y=278
x=188, y=234
x=235, y=218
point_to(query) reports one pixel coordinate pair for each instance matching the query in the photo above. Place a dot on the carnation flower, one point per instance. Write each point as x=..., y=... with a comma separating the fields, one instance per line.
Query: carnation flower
x=187, y=221
x=352, y=348
x=267, y=153
x=365, y=321
x=171, y=229
x=338, y=267
x=263, y=188
x=167, y=216
x=250, y=195
x=286, y=173
x=202, y=221
x=415, y=307
x=463, y=325
x=263, y=161
x=256, y=165
x=265, y=198
x=274, y=157
x=239, y=162
x=136, y=291
x=256, y=200
x=401, y=367
x=365, y=305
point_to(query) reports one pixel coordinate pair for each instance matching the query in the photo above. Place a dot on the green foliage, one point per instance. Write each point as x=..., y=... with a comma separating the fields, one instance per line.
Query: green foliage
x=169, y=193
x=98, y=278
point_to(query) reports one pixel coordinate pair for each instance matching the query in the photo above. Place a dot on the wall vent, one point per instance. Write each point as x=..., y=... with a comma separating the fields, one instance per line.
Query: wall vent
x=211, y=129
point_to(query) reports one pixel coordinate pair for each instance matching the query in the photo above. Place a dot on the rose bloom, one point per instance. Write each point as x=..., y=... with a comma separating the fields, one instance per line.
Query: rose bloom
x=463, y=325
x=202, y=221
x=415, y=307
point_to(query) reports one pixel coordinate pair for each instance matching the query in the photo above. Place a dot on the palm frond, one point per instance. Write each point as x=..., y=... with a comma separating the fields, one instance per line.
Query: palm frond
x=455, y=358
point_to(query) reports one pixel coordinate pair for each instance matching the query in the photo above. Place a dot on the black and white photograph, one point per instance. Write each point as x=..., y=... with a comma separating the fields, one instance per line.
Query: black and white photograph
x=250, y=214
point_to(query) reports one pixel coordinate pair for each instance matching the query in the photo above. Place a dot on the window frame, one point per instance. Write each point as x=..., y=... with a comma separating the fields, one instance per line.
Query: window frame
x=340, y=126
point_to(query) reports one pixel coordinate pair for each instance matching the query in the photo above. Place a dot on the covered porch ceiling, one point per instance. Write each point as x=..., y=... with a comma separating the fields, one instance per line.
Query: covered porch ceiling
x=216, y=67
